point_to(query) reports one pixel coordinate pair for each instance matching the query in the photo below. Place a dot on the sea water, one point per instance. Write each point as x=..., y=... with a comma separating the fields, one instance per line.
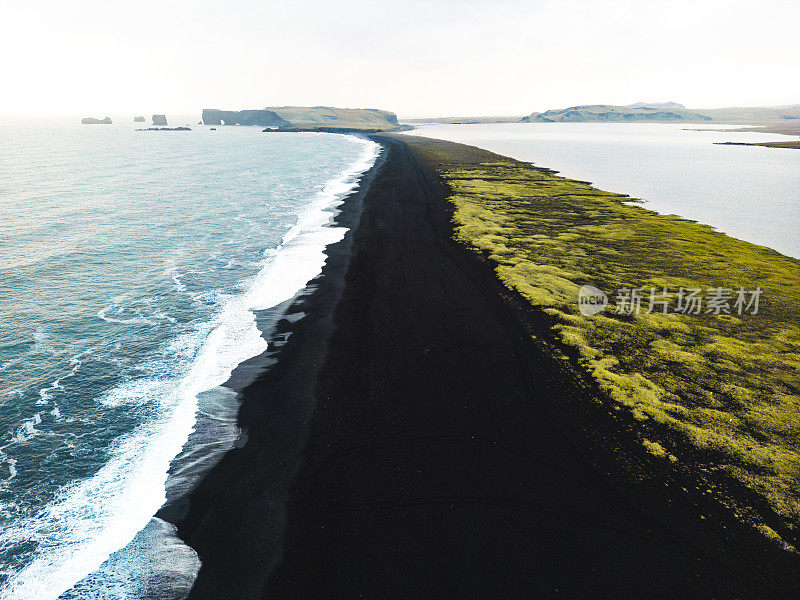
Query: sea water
x=131, y=264
x=749, y=192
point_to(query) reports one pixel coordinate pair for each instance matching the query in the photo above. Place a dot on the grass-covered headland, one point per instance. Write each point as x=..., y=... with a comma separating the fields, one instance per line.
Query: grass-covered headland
x=717, y=393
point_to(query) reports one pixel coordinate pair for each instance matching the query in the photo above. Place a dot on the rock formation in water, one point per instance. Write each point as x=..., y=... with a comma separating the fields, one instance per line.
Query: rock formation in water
x=138, y=119
x=93, y=121
x=261, y=118
x=159, y=120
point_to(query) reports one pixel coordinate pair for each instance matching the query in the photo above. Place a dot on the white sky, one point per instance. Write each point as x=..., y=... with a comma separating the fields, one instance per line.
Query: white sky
x=415, y=57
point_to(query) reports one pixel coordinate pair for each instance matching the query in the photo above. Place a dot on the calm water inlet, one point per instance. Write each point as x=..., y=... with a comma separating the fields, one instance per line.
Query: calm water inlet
x=749, y=192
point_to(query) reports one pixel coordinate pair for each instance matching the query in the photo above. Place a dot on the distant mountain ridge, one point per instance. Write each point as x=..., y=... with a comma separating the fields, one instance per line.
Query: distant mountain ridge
x=604, y=112
x=666, y=112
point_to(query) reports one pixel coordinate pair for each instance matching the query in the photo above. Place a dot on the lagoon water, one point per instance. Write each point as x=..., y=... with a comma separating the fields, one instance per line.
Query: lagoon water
x=749, y=192
x=131, y=264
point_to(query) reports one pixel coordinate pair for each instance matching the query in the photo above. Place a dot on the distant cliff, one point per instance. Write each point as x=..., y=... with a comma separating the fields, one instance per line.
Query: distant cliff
x=313, y=117
x=159, y=120
x=666, y=112
x=138, y=119
x=261, y=118
x=307, y=118
x=93, y=121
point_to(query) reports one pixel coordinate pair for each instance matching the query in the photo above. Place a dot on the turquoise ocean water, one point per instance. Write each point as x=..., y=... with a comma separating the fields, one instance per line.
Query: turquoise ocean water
x=130, y=267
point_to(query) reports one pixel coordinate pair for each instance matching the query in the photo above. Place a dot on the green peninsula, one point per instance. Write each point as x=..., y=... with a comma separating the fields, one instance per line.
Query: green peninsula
x=717, y=391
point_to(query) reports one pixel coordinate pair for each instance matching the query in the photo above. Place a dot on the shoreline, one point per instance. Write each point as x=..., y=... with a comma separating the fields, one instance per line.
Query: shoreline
x=764, y=127
x=673, y=375
x=793, y=145
x=448, y=451
x=273, y=435
x=667, y=182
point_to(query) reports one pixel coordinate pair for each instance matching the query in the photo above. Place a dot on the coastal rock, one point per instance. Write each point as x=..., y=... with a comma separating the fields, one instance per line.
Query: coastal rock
x=138, y=119
x=159, y=120
x=93, y=121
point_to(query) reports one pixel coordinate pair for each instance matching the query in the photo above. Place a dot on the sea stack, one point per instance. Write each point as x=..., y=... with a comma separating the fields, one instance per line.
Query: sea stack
x=93, y=121
x=138, y=119
x=159, y=120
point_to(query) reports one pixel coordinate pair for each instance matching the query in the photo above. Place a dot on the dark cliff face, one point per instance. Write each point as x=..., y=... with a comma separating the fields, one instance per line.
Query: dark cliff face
x=261, y=118
x=159, y=120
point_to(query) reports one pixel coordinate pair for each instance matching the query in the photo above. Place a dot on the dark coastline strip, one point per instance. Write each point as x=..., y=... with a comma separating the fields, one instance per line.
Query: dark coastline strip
x=342, y=130
x=451, y=457
x=449, y=454
x=236, y=515
x=795, y=145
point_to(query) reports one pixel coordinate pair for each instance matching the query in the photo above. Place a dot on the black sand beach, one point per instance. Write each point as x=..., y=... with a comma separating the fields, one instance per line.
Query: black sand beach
x=414, y=440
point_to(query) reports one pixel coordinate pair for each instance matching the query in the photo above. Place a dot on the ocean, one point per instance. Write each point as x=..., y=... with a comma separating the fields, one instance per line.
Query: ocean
x=749, y=192
x=132, y=268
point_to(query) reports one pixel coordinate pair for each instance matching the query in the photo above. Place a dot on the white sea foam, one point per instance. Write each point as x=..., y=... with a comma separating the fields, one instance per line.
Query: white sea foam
x=93, y=519
x=42, y=342
x=156, y=565
x=46, y=393
x=105, y=316
x=11, y=465
x=176, y=278
x=138, y=392
x=26, y=430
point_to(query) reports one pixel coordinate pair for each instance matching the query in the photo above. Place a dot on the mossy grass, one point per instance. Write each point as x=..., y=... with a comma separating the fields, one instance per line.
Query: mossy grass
x=727, y=385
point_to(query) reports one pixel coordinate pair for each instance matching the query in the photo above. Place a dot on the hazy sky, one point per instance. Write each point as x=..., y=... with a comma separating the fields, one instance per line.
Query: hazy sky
x=415, y=57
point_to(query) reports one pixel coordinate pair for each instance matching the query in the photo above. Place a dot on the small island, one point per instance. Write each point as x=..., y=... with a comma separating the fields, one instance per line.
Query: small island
x=159, y=120
x=93, y=121
x=138, y=119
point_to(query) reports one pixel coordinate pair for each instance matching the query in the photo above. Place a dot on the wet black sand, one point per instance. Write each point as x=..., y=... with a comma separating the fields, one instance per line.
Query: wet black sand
x=417, y=442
